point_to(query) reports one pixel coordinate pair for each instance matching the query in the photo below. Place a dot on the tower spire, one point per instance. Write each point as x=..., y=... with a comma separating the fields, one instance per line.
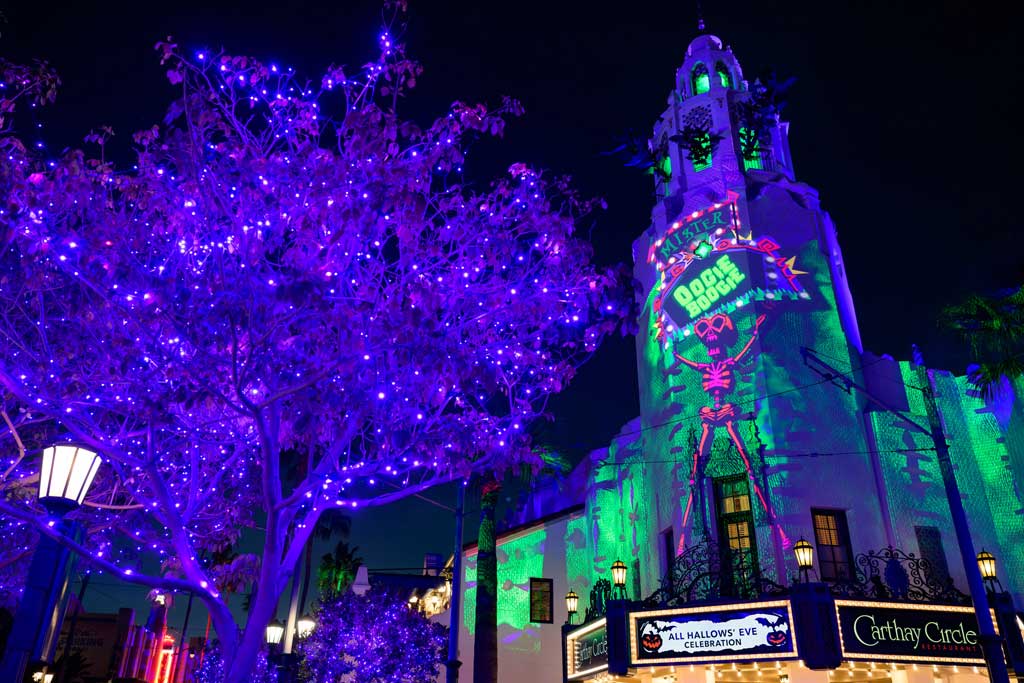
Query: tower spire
x=700, y=17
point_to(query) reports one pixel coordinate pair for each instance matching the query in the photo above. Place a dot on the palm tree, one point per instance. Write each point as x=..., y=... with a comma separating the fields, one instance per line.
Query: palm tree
x=485, y=644
x=338, y=570
x=332, y=524
x=992, y=325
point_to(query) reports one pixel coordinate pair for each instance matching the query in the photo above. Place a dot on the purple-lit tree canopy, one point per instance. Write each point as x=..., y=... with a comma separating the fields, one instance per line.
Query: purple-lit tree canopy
x=372, y=638
x=289, y=303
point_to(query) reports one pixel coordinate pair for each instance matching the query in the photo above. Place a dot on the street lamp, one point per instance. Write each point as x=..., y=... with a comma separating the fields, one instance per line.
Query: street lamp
x=987, y=567
x=65, y=476
x=804, y=552
x=275, y=630
x=619, y=575
x=304, y=626
x=572, y=602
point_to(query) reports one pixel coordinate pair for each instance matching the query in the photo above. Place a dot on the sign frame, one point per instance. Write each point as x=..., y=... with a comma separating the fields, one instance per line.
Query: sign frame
x=571, y=674
x=636, y=657
x=909, y=607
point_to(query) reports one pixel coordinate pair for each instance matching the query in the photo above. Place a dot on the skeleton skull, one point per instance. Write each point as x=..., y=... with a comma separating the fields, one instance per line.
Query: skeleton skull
x=717, y=333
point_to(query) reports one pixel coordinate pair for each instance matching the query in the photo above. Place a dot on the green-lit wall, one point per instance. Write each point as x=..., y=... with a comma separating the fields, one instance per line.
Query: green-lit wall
x=802, y=430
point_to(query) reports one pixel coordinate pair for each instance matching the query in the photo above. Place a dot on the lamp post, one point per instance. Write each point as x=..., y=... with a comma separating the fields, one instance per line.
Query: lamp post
x=572, y=602
x=304, y=626
x=619, y=577
x=275, y=631
x=804, y=552
x=989, y=640
x=65, y=476
x=987, y=567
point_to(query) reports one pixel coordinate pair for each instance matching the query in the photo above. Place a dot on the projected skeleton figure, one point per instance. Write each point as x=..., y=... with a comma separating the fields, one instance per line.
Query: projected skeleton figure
x=718, y=333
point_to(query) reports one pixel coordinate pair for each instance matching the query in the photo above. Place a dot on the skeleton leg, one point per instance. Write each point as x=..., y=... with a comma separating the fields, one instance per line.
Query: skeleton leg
x=700, y=459
x=730, y=427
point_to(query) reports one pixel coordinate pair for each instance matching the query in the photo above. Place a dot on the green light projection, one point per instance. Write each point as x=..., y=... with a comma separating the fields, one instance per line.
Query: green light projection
x=799, y=417
x=723, y=75
x=700, y=81
x=469, y=594
x=756, y=162
x=519, y=560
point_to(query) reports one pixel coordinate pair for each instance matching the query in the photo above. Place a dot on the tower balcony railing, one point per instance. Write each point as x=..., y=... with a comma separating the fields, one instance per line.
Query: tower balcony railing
x=705, y=573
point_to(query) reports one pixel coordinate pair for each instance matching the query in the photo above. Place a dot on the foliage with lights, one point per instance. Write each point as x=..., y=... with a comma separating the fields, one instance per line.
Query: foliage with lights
x=212, y=669
x=372, y=638
x=291, y=302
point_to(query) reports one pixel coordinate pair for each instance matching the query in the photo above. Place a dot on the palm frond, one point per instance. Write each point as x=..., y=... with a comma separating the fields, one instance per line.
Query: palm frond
x=988, y=377
x=990, y=324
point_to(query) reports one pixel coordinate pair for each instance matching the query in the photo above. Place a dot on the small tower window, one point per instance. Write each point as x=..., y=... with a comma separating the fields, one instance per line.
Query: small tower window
x=723, y=75
x=701, y=80
x=750, y=149
x=664, y=174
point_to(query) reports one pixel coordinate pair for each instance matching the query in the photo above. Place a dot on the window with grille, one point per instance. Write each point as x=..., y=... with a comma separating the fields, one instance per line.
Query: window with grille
x=835, y=559
x=736, y=541
x=734, y=496
x=750, y=147
x=929, y=542
x=541, y=596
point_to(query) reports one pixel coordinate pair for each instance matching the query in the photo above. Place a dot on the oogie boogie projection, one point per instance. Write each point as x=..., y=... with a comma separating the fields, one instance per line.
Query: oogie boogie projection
x=711, y=272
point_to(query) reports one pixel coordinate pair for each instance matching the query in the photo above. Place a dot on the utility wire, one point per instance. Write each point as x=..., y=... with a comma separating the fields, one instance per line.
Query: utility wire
x=696, y=416
x=810, y=454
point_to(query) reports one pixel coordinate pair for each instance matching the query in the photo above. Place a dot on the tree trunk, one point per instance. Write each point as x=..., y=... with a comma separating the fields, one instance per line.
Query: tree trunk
x=240, y=662
x=307, y=570
x=485, y=644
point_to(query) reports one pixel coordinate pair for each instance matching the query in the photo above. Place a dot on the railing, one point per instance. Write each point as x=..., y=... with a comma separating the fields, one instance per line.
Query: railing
x=600, y=594
x=892, y=574
x=704, y=573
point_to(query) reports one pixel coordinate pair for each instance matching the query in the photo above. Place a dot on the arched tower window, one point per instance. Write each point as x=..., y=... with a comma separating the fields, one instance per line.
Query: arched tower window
x=700, y=79
x=723, y=75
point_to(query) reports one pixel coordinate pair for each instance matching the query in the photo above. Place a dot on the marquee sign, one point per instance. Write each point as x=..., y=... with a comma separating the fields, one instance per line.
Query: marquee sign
x=586, y=650
x=898, y=632
x=709, y=634
x=708, y=264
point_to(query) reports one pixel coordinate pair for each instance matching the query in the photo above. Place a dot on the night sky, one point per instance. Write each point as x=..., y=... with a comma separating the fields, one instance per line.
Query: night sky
x=901, y=117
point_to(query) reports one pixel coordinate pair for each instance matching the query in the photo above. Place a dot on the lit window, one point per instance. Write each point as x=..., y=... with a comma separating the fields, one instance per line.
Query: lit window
x=750, y=146
x=723, y=75
x=541, y=591
x=701, y=81
x=833, y=540
x=735, y=496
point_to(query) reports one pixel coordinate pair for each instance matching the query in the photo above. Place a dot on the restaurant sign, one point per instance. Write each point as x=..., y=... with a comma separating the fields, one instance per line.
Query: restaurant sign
x=900, y=632
x=761, y=630
x=586, y=650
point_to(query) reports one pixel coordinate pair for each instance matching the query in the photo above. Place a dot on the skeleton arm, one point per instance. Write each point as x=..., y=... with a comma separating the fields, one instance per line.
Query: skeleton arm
x=750, y=342
x=693, y=364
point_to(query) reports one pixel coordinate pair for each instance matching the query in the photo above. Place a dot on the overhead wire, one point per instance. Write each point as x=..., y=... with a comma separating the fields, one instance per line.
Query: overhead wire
x=762, y=397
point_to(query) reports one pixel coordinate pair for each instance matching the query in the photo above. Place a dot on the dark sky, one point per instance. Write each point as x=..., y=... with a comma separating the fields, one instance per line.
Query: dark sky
x=901, y=116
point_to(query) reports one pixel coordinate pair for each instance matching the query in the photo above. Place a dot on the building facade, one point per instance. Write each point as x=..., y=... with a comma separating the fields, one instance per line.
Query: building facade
x=764, y=422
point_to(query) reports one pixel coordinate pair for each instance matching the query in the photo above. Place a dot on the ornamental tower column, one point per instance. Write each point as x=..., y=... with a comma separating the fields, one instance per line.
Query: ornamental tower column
x=741, y=268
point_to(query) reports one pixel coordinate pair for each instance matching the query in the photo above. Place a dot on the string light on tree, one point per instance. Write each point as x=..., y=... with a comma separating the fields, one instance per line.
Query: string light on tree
x=314, y=285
